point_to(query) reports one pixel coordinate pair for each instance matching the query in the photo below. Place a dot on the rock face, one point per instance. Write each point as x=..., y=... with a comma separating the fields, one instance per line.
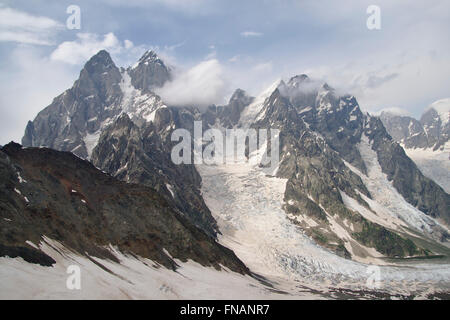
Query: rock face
x=436, y=122
x=150, y=72
x=228, y=116
x=417, y=189
x=431, y=131
x=117, y=111
x=73, y=119
x=142, y=155
x=350, y=186
x=426, y=141
x=406, y=130
x=319, y=131
x=58, y=195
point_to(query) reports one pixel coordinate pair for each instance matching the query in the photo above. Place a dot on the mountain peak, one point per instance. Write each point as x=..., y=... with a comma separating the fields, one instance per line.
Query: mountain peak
x=149, y=72
x=149, y=55
x=297, y=80
x=99, y=63
x=102, y=57
x=327, y=87
x=442, y=108
x=239, y=94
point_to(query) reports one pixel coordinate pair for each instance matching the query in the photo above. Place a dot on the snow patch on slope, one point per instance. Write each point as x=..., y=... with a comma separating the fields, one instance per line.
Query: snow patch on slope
x=139, y=106
x=433, y=164
x=251, y=112
x=90, y=141
x=133, y=278
x=392, y=209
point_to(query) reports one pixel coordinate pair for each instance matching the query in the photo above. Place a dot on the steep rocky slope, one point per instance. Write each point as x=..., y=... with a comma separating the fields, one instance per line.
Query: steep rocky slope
x=117, y=110
x=426, y=141
x=319, y=138
x=64, y=198
x=328, y=146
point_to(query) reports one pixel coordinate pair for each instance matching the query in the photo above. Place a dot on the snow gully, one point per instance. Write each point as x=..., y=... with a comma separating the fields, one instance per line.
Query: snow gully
x=216, y=146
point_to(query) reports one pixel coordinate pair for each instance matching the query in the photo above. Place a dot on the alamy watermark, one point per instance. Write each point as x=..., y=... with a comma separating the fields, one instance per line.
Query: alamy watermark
x=73, y=22
x=227, y=146
x=374, y=19
x=73, y=281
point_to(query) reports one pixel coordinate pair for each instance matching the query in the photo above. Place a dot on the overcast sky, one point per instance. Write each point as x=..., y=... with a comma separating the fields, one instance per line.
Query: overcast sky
x=217, y=46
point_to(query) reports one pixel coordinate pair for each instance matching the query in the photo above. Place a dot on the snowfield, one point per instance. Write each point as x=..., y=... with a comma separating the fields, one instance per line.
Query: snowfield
x=133, y=278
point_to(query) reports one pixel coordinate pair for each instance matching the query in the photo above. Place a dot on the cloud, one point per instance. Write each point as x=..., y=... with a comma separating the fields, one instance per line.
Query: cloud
x=234, y=58
x=264, y=67
x=394, y=111
x=409, y=81
x=88, y=44
x=21, y=27
x=29, y=81
x=247, y=34
x=375, y=81
x=200, y=86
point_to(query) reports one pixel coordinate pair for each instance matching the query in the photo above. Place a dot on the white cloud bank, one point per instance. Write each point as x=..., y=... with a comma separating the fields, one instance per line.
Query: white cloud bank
x=201, y=86
x=21, y=27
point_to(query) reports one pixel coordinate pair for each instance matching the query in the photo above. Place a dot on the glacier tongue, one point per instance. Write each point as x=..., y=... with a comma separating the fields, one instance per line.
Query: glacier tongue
x=247, y=205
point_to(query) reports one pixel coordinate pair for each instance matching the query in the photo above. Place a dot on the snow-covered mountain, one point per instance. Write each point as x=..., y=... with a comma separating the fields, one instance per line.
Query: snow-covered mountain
x=345, y=194
x=426, y=141
x=431, y=131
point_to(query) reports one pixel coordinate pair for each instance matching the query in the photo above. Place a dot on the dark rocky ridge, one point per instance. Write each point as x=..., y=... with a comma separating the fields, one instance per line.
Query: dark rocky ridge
x=339, y=120
x=69, y=200
x=94, y=107
x=142, y=155
x=316, y=174
x=95, y=100
x=418, y=190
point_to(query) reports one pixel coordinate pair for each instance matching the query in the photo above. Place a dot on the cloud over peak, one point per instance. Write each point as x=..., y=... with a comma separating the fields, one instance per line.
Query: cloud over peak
x=201, y=85
x=88, y=44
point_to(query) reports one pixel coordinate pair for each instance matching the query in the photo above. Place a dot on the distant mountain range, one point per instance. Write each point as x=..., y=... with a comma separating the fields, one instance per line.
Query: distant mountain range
x=426, y=141
x=431, y=131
